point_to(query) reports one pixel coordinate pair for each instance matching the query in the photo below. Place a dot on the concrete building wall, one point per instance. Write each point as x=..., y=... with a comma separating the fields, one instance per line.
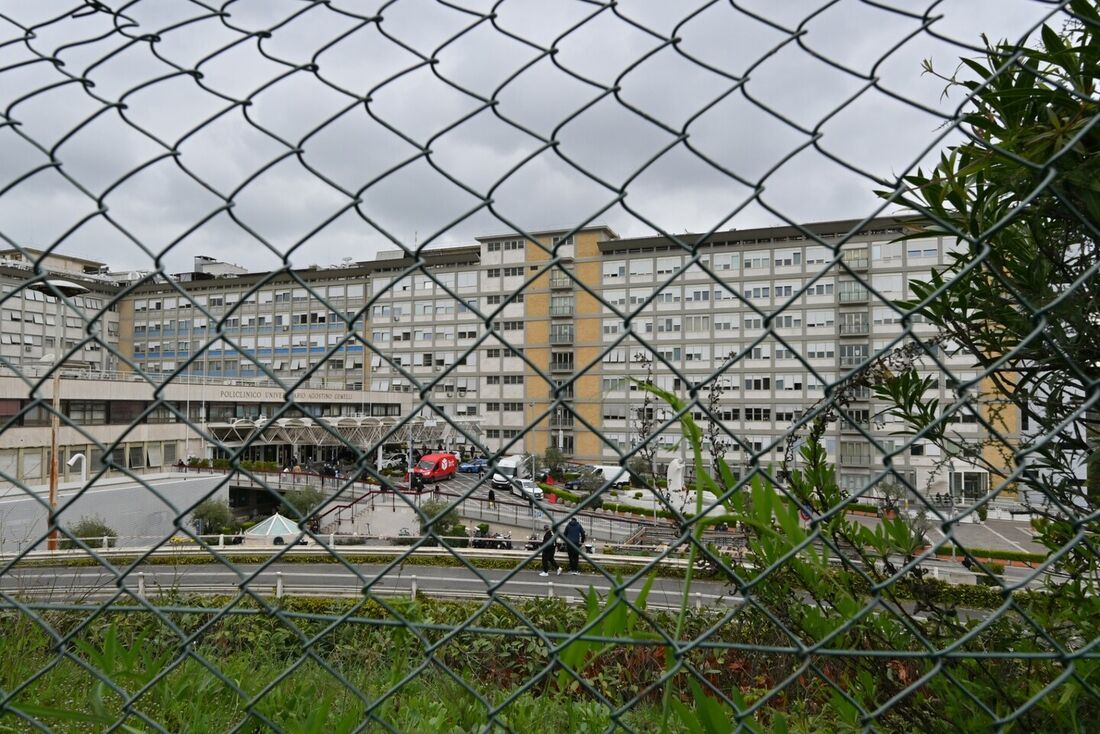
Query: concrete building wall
x=773, y=311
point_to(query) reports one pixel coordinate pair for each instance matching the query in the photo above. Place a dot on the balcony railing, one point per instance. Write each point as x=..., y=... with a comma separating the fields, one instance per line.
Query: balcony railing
x=859, y=328
x=562, y=310
x=856, y=259
x=560, y=280
x=562, y=366
x=564, y=421
x=853, y=296
x=561, y=337
x=848, y=459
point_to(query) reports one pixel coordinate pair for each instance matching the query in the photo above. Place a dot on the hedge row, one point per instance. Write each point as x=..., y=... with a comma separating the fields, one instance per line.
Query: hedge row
x=994, y=554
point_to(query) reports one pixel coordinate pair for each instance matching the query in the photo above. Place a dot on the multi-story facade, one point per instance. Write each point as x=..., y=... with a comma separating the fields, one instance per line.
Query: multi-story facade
x=523, y=343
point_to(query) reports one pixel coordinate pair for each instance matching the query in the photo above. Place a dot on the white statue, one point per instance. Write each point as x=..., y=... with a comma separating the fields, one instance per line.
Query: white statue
x=675, y=475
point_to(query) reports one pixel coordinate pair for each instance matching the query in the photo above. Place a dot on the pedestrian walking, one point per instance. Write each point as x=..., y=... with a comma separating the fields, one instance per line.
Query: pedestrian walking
x=574, y=539
x=548, y=549
x=492, y=498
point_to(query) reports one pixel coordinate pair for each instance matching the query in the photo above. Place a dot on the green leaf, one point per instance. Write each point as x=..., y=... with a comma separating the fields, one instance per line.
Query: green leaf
x=713, y=714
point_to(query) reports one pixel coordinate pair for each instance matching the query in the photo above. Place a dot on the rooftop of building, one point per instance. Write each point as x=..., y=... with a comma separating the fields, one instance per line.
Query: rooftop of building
x=212, y=274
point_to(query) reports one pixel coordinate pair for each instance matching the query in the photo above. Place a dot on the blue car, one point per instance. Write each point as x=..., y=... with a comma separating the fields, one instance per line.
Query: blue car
x=473, y=466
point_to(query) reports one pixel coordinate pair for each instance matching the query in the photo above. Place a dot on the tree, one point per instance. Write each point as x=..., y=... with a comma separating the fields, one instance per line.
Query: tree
x=300, y=502
x=554, y=461
x=645, y=419
x=212, y=515
x=718, y=436
x=91, y=531
x=1021, y=300
x=437, y=520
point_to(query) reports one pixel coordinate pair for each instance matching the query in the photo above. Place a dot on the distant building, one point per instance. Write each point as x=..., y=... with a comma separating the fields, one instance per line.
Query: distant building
x=568, y=313
x=216, y=268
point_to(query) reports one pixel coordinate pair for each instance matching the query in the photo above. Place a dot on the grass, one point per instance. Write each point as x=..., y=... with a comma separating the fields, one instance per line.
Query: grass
x=254, y=670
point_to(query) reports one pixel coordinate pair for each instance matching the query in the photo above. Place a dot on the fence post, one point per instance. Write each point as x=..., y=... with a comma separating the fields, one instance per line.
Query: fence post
x=278, y=584
x=141, y=584
x=221, y=540
x=412, y=587
x=104, y=542
x=331, y=539
x=550, y=589
x=698, y=600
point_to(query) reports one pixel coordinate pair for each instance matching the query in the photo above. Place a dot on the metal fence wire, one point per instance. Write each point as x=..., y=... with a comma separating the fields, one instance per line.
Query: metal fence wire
x=861, y=496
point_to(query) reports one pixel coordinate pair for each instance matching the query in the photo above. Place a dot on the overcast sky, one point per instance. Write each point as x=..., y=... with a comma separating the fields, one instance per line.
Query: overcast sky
x=763, y=111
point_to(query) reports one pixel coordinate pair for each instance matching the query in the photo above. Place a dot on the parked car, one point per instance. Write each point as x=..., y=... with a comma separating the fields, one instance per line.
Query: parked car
x=395, y=462
x=527, y=489
x=474, y=466
x=575, y=484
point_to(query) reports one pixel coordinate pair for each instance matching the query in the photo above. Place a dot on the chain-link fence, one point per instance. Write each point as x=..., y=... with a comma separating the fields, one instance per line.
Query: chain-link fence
x=530, y=456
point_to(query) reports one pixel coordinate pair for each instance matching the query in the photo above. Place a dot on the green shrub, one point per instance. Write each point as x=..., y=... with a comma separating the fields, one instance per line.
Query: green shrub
x=91, y=531
x=457, y=536
x=862, y=507
x=994, y=554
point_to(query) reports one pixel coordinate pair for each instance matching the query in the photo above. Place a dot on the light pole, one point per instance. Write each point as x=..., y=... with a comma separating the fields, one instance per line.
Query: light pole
x=68, y=289
x=561, y=429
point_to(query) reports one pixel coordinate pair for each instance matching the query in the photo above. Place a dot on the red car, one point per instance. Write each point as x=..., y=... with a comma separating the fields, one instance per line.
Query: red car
x=436, y=467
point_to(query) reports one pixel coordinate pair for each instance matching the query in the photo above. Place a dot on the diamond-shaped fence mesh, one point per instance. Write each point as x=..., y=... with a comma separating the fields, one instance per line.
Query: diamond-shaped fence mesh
x=715, y=366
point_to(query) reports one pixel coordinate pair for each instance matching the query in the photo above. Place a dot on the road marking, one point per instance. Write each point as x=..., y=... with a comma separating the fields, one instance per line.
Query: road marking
x=1010, y=542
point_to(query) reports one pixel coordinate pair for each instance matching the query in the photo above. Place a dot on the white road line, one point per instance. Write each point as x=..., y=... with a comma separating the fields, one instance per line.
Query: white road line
x=1010, y=542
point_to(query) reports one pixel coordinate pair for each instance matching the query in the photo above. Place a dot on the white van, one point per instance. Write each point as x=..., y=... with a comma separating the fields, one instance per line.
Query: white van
x=507, y=469
x=616, y=475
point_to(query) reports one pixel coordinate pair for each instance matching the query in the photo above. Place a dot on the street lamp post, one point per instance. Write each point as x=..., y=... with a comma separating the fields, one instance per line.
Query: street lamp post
x=561, y=429
x=83, y=467
x=67, y=289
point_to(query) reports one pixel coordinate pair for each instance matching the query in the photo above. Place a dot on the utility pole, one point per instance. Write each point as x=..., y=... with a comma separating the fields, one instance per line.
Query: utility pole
x=59, y=289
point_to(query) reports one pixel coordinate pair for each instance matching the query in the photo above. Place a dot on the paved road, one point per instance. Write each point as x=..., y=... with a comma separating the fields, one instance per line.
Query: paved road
x=135, y=512
x=142, y=519
x=330, y=579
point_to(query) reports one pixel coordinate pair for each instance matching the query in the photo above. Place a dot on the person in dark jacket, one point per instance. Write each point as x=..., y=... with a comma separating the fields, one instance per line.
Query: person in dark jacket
x=574, y=539
x=548, y=561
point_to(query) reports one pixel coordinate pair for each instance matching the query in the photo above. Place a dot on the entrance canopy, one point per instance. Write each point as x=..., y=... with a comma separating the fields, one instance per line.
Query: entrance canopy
x=274, y=526
x=366, y=433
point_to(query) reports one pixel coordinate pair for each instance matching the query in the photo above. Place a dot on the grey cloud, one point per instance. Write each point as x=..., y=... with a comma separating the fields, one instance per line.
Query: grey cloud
x=680, y=191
